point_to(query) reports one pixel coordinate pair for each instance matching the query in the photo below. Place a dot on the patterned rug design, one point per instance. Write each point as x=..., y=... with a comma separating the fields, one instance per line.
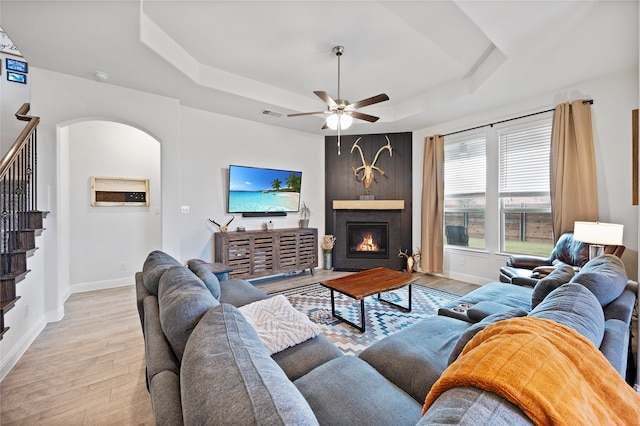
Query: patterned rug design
x=381, y=318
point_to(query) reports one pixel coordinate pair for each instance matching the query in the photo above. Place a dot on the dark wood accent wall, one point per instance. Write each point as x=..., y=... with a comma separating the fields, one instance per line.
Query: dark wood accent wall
x=341, y=184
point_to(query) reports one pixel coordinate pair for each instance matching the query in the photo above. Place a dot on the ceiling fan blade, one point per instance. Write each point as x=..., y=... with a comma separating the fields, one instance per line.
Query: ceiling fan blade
x=325, y=126
x=370, y=101
x=305, y=113
x=365, y=117
x=326, y=98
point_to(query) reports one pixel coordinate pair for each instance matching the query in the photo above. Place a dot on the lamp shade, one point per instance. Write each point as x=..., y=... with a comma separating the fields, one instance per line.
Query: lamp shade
x=606, y=234
x=344, y=119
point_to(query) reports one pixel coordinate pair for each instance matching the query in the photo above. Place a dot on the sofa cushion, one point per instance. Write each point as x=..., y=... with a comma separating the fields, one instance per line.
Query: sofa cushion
x=156, y=264
x=467, y=405
x=576, y=307
x=562, y=274
x=478, y=327
x=239, y=292
x=298, y=360
x=605, y=276
x=243, y=384
x=348, y=391
x=483, y=309
x=183, y=300
x=414, y=358
x=208, y=278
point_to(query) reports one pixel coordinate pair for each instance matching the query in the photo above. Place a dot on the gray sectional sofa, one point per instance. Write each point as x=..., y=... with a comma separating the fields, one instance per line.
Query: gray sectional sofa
x=207, y=365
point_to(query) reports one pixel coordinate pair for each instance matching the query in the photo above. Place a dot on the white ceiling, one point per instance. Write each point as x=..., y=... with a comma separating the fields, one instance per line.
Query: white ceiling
x=437, y=60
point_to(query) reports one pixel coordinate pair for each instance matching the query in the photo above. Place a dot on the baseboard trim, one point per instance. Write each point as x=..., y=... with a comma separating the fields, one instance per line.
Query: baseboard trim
x=101, y=285
x=11, y=359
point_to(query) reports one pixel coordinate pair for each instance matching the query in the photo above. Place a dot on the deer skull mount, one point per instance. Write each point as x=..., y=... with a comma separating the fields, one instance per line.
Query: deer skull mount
x=223, y=228
x=411, y=259
x=368, y=170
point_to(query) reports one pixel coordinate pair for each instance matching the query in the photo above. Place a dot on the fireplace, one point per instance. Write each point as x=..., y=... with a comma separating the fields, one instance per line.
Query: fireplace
x=368, y=240
x=380, y=231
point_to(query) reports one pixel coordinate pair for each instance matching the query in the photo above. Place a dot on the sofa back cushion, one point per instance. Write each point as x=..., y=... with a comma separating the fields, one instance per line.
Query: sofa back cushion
x=476, y=328
x=183, y=299
x=228, y=378
x=576, y=307
x=156, y=264
x=605, y=276
x=562, y=274
x=208, y=278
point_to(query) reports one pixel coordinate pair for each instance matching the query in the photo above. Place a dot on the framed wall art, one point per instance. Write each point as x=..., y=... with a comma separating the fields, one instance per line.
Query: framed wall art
x=16, y=65
x=16, y=77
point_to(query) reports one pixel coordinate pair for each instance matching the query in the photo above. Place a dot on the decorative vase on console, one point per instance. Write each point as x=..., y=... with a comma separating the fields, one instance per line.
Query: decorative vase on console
x=305, y=214
x=328, y=241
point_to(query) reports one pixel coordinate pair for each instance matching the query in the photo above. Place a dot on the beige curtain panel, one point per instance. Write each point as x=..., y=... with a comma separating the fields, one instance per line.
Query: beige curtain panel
x=574, y=193
x=432, y=258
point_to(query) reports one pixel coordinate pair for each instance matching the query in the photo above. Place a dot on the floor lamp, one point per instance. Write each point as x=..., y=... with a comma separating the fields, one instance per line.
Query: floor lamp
x=598, y=235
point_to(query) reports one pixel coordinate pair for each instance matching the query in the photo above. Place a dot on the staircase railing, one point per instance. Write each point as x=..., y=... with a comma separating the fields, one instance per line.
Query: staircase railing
x=20, y=221
x=18, y=185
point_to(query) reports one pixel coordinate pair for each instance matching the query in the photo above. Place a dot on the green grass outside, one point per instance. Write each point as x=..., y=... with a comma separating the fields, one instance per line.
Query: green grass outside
x=516, y=246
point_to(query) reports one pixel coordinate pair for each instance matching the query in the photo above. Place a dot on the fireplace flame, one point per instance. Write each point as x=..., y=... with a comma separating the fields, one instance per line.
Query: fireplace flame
x=367, y=244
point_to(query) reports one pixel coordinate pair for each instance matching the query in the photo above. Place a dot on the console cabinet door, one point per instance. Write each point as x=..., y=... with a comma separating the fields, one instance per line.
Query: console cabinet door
x=254, y=254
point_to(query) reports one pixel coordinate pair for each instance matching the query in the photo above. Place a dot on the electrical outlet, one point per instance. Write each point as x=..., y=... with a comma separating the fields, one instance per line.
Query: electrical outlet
x=184, y=209
x=26, y=310
x=123, y=266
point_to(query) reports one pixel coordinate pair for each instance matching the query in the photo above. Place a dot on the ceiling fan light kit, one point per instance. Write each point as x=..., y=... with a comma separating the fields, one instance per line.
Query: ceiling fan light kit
x=343, y=120
x=340, y=112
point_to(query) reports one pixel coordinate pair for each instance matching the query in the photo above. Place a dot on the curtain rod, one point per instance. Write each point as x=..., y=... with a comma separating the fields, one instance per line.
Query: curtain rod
x=588, y=101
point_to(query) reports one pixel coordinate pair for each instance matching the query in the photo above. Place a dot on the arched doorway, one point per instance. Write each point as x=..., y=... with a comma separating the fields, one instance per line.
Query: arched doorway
x=105, y=246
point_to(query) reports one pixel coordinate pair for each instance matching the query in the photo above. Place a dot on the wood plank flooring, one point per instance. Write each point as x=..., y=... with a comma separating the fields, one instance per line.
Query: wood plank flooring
x=88, y=368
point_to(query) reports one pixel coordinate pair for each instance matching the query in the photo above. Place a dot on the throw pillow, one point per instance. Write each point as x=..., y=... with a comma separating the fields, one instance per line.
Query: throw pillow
x=208, y=278
x=156, y=264
x=605, y=276
x=227, y=377
x=575, y=306
x=562, y=274
x=478, y=327
x=183, y=299
x=278, y=324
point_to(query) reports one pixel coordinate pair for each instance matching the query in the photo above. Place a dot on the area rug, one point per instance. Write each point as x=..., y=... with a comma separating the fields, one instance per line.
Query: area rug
x=381, y=318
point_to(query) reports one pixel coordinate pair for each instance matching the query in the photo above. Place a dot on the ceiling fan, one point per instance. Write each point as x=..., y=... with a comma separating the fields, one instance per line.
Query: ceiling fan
x=341, y=112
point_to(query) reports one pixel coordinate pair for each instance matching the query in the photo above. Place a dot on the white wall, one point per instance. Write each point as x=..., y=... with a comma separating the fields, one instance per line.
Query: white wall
x=107, y=245
x=210, y=143
x=615, y=96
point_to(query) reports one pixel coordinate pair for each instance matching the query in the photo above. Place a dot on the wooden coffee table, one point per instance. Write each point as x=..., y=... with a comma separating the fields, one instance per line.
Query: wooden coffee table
x=368, y=283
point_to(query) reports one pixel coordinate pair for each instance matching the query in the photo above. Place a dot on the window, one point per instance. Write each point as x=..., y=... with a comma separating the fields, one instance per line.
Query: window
x=465, y=165
x=525, y=203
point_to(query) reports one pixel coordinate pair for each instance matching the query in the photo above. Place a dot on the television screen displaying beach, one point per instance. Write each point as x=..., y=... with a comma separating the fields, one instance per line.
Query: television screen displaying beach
x=253, y=189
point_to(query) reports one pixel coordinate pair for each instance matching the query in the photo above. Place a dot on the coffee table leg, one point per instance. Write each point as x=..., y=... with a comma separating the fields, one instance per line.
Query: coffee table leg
x=404, y=308
x=341, y=318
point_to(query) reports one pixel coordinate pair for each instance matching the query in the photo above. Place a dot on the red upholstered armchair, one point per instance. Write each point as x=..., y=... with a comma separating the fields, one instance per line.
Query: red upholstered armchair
x=527, y=270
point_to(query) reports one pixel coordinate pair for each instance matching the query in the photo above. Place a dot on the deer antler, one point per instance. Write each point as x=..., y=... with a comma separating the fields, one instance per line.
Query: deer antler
x=387, y=146
x=233, y=217
x=403, y=253
x=214, y=222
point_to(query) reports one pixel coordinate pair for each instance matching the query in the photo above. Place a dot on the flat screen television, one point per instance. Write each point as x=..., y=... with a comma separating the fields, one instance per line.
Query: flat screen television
x=256, y=191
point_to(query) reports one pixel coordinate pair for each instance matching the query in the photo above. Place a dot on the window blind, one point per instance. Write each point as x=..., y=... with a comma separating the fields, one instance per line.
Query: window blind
x=524, y=159
x=465, y=166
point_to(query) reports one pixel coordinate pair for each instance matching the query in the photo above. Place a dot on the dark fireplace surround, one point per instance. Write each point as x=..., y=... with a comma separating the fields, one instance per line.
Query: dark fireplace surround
x=393, y=190
x=385, y=225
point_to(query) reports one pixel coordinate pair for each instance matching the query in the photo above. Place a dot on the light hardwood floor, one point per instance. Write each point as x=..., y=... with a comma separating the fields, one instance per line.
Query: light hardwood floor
x=88, y=368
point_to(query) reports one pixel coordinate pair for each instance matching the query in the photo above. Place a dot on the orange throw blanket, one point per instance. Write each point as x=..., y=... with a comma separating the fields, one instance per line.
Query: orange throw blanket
x=552, y=373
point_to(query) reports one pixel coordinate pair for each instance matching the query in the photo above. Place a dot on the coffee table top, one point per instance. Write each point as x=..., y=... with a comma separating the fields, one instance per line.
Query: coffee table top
x=362, y=284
